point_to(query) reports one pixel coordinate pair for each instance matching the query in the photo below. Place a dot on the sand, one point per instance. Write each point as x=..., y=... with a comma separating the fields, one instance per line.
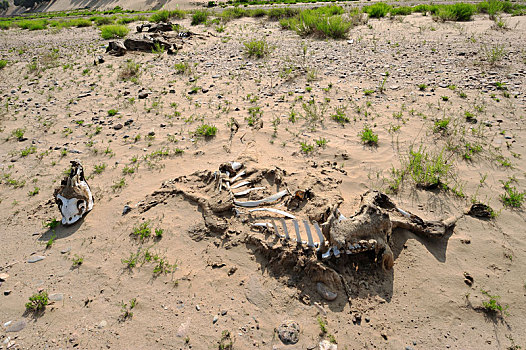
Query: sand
x=422, y=303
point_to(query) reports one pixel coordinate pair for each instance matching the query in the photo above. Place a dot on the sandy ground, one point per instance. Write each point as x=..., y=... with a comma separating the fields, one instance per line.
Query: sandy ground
x=422, y=303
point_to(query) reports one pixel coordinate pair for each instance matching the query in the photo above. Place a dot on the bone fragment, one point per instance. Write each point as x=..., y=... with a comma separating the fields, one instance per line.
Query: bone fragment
x=320, y=234
x=241, y=184
x=309, y=234
x=275, y=228
x=272, y=210
x=269, y=199
x=236, y=165
x=242, y=193
x=262, y=224
x=336, y=251
x=297, y=229
x=284, y=224
x=327, y=254
x=232, y=180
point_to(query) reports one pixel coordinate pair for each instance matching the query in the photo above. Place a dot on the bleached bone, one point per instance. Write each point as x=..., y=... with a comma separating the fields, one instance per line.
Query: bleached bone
x=232, y=180
x=276, y=228
x=241, y=184
x=320, y=234
x=327, y=254
x=297, y=229
x=262, y=224
x=284, y=224
x=309, y=234
x=336, y=251
x=242, y=193
x=272, y=210
x=269, y=199
x=73, y=197
x=236, y=165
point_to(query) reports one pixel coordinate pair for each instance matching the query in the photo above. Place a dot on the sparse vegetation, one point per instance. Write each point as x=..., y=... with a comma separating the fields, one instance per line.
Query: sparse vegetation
x=113, y=31
x=257, y=48
x=37, y=302
x=368, y=136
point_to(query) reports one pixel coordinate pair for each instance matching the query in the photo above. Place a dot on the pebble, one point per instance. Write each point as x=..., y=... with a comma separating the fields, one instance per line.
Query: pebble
x=17, y=326
x=126, y=209
x=102, y=324
x=56, y=297
x=66, y=250
x=35, y=258
x=197, y=308
x=289, y=332
x=118, y=126
x=3, y=276
x=215, y=319
x=143, y=95
x=324, y=291
x=7, y=292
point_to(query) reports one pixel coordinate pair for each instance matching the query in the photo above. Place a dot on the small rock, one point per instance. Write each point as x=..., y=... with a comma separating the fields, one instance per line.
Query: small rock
x=35, y=258
x=56, y=297
x=324, y=291
x=7, y=292
x=118, y=126
x=126, y=209
x=327, y=345
x=215, y=319
x=17, y=326
x=197, y=308
x=289, y=332
x=128, y=122
x=64, y=251
x=224, y=312
x=102, y=324
x=3, y=276
x=143, y=95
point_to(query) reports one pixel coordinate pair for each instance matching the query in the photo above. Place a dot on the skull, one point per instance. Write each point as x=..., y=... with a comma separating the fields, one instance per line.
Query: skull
x=73, y=197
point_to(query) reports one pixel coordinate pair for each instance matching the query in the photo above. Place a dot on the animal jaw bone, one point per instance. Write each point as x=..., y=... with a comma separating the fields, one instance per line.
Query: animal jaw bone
x=74, y=197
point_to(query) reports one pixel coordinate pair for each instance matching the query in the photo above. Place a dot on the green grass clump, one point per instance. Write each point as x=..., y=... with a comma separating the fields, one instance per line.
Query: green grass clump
x=206, y=130
x=401, y=11
x=377, y=10
x=257, y=48
x=276, y=14
x=5, y=25
x=199, y=17
x=165, y=15
x=323, y=22
x=142, y=231
x=234, y=13
x=3, y=63
x=113, y=31
x=492, y=305
x=101, y=21
x=368, y=136
x=512, y=197
x=427, y=170
x=37, y=302
x=456, y=12
x=33, y=24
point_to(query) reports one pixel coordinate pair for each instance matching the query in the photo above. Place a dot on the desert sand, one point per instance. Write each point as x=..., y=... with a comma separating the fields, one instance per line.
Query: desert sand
x=222, y=282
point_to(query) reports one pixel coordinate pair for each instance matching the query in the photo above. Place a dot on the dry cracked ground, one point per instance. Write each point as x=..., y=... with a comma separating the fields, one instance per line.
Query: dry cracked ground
x=453, y=92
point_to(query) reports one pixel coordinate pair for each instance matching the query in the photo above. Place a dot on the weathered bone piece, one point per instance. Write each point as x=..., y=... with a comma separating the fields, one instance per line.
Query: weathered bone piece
x=73, y=197
x=268, y=199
